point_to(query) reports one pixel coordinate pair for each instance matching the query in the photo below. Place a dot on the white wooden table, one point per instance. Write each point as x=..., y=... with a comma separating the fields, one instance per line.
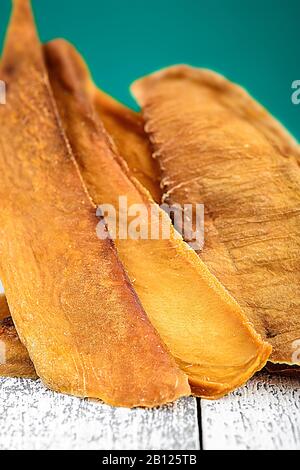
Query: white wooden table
x=265, y=414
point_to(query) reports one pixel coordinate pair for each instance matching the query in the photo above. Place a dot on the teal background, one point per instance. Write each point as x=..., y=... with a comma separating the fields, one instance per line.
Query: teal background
x=254, y=42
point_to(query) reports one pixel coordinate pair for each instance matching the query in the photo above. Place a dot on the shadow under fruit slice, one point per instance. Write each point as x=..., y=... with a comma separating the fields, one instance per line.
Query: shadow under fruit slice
x=70, y=298
x=14, y=358
x=202, y=326
x=217, y=146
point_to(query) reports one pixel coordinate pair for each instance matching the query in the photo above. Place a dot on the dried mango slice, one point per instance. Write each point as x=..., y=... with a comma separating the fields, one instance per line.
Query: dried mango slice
x=4, y=309
x=198, y=320
x=217, y=146
x=126, y=128
x=14, y=358
x=70, y=298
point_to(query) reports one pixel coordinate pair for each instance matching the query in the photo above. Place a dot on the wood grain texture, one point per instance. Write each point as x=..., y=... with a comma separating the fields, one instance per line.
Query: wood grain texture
x=263, y=415
x=32, y=417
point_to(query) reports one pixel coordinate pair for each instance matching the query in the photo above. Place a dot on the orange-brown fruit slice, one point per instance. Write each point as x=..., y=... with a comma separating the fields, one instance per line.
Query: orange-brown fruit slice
x=70, y=298
x=126, y=128
x=14, y=358
x=217, y=146
x=201, y=324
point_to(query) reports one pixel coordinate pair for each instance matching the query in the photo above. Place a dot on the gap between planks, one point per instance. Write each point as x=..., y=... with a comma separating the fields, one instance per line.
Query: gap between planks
x=264, y=414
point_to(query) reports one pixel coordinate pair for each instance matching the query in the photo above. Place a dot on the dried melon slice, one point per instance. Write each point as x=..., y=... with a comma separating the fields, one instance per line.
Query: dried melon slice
x=70, y=298
x=14, y=358
x=217, y=146
x=201, y=324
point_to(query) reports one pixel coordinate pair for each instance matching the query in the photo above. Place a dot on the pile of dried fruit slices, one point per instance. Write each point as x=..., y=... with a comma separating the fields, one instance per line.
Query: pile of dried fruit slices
x=141, y=322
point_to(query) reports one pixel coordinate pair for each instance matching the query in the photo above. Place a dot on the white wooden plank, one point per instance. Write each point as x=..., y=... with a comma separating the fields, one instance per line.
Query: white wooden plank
x=263, y=415
x=32, y=417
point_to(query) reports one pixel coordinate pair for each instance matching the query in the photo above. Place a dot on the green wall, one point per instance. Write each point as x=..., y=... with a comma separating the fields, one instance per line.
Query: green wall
x=253, y=42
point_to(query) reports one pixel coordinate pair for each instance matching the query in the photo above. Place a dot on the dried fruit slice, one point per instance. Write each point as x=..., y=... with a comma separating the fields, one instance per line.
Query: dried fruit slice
x=200, y=323
x=217, y=146
x=4, y=309
x=126, y=128
x=14, y=358
x=70, y=298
